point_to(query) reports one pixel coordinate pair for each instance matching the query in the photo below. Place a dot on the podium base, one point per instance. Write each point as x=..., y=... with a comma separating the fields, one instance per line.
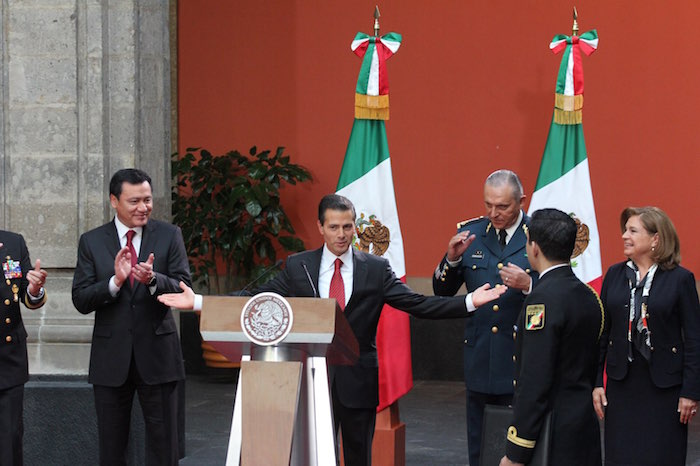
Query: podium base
x=389, y=445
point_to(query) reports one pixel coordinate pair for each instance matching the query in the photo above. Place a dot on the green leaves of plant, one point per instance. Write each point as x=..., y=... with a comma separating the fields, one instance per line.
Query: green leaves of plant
x=228, y=207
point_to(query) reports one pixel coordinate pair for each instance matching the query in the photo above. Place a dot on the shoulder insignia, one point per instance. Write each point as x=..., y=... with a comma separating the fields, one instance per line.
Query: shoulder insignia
x=519, y=441
x=488, y=227
x=464, y=223
x=534, y=317
x=602, y=309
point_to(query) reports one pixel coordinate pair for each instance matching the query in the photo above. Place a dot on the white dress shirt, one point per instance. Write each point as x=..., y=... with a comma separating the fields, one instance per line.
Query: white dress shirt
x=327, y=268
x=136, y=241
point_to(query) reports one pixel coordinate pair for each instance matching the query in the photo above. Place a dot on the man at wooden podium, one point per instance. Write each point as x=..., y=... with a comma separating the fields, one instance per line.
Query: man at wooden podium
x=362, y=284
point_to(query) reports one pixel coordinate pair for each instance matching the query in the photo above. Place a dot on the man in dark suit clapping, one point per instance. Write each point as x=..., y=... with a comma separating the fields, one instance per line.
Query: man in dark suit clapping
x=122, y=267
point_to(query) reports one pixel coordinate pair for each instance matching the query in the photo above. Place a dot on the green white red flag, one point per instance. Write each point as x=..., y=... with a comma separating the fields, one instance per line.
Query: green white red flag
x=564, y=180
x=366, y=179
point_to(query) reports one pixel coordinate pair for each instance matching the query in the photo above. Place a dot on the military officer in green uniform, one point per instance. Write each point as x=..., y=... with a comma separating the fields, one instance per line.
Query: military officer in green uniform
x=489, y=249
x=21, y=283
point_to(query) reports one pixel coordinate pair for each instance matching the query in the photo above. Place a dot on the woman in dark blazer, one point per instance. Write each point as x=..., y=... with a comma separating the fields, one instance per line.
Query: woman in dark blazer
x=651, y=342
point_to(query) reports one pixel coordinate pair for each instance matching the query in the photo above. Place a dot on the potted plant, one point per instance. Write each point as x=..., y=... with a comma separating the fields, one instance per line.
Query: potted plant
x=228, y=207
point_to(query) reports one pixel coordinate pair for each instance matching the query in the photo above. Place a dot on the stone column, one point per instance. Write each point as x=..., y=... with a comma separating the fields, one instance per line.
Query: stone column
x=85, y=91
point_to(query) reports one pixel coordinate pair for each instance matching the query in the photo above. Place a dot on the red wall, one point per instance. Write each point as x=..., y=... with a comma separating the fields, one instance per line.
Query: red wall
x=472, y=90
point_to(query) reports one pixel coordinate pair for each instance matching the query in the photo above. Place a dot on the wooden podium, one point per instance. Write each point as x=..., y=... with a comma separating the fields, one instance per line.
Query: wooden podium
x=282, y=412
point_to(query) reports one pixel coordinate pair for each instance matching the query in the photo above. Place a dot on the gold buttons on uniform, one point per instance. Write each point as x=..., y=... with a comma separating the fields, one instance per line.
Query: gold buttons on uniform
x=8, y=338
x=500, y=265
x=527, y=270
x=466, y=341
x=8, y=280
x=474, y=267
x=495, y=308
x=7, y=320
x=514, y=334
x=513, y=358
x=7, y=302
x=494, y=329
x=674, y=350
x=515, y=383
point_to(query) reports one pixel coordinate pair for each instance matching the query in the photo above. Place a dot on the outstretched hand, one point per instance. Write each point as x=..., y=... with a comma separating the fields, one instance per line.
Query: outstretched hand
x=184, y=300
x=485, y=294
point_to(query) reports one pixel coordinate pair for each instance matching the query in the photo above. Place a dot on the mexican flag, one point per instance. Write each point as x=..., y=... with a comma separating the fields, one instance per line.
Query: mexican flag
x=564, y=180
x=366, y=179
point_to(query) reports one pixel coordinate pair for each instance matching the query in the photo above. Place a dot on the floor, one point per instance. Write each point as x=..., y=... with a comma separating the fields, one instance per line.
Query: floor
x=434, y=413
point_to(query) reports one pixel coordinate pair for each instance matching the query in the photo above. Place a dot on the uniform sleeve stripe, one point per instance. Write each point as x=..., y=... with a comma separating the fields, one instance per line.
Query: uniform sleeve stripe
x=521, y=442
x=602, y=309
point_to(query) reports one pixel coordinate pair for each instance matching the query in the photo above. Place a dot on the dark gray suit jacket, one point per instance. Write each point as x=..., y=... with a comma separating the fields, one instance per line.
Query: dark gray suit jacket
x=134, y=320
x=374, y=284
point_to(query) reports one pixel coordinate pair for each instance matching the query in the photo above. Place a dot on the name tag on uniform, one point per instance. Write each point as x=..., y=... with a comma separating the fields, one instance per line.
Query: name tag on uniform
x=12, y=269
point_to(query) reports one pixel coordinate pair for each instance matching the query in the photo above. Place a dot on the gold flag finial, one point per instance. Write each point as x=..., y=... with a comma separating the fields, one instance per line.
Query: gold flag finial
x=376, y=20
x=575, y=27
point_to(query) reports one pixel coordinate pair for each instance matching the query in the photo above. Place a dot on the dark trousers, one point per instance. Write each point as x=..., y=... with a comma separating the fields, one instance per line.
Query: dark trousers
x=11, y=426
x=159, y=404
x=357, y=430
x=475, y=419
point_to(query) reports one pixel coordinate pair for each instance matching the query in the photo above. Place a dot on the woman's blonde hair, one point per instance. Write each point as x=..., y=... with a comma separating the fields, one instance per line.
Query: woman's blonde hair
x=667, y=253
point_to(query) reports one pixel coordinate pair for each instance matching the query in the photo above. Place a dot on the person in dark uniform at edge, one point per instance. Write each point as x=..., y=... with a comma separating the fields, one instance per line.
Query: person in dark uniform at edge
x=22, y=283
x=489, y=249
x=556, y=352
x=368, y=282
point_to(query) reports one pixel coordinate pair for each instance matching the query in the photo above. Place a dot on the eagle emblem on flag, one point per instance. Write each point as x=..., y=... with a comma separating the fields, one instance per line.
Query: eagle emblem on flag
x=372, y=235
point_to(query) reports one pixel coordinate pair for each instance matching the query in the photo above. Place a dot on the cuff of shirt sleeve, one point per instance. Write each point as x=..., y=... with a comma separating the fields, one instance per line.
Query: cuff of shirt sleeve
x=38, y=297
x=113, y=288
x=470, y=303
x=197, y=302
x=453, y=263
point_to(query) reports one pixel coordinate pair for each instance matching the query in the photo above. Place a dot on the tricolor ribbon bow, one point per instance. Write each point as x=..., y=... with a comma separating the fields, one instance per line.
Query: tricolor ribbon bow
x=569, y=91
x=372, y=90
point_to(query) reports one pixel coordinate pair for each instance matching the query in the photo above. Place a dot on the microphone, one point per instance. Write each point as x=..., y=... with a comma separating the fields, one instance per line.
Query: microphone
x=308, y=277
x=263, y=274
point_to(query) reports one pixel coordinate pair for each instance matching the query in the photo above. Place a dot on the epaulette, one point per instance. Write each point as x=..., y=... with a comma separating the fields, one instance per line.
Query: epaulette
x=467, y=222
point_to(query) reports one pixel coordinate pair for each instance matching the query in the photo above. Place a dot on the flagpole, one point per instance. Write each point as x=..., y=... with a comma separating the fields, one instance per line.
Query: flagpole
x=574, y=29
x=376, y=20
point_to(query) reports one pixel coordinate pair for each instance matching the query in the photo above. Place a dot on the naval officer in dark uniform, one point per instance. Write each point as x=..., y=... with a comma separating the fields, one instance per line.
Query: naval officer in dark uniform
x=556, y=352
x=21, y=283
x=489, y=249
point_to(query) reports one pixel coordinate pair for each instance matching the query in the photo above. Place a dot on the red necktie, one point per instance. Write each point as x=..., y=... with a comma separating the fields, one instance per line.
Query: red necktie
x=134, y=257
x=337, y=289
